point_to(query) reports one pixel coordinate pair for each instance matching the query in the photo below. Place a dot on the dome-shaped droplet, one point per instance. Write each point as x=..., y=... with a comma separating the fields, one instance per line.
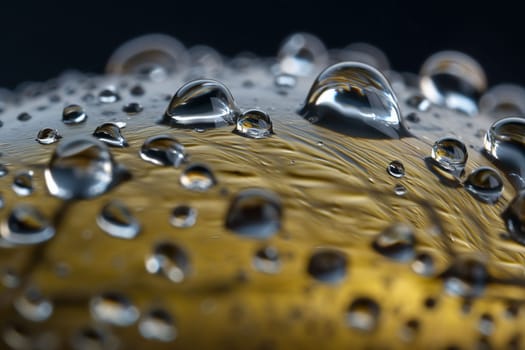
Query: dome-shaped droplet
x=132, y=108
x=48, y=136
x=254, y=213
x=205, y=61
x=503, y=100
x=201, y=104
x=285, y=81
x=396, y=169
x=108, y=95
x=466, y=277
x=302, y=54
x=158, y=324
x=355, y=99
x=485, y=184
x=450, y=154
x=117, y=220
x=81, y=168
x=364, y=53
x=110, y=134
x=151, y=56
x=423, y=264
x=91, y=338
x=24, y=117
x=163, y=150
x=113, y=308
x=183, y=216
x=418, y=102
x=514, y=218
x=26, y=225
x=33, y=306
x=505, y=145
x=169, y=260
x=3, y=170
x=396, y=242
x=363, y=314
x=267, y=260
x=254, y=124
x=23, y=183
x=400, y=190
x=10, y=278
x=454, y=80
x=327, y=265
x=73, y=114
x=197, y=177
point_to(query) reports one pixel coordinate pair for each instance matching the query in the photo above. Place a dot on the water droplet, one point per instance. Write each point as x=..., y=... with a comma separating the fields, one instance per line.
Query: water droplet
x=485, y=184
x=254, y=213
x=158, y=324
x=466, y=277
x=400, y=190
x=503, y=100
x=10, y=278
x=486, y=324
x=254, y=124
x=197, y=177
x=24, y=117
x=423, y=265
x=73, y=114
x=363, y=314
x=109, y=133
x=355, y=99
x=396, y=242
x=169, y=260
x=90, y=338
x=410, y=330
x=450, y=154
x=201, y=104
x=163, y=150
x=81, y=168
x=183, y=216
x=23, y=183
x=137, y=90
x=17, y=336
x=302, y=54
x=413, y=118
x=33, y=306
x=113, y=308
x=418, y=102
x=396, y=169
x=108, y=95
x=3, y=170
x=2, y=201
x=514, y=218
x=132, y=108
x=26, y=225
x=117, y=220
x=205, y=61
x=267, y=260
x=327, y=265
x=48, y=136
x=285, y=81
x=454, y=80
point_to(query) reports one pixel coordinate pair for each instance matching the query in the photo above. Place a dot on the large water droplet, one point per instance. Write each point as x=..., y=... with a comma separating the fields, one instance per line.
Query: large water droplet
x=514, y=218
x=81, y=168
x=109, y=133
x=355, y=99
x=396, y=169
x=183, y=216
x=466, y=277
x=169, y=260
x=163, y=150
x=254, y=124
x=363, y=314
x=197, y=177
x=23, y=183
x=117, y=220
x=302, y=54
x=503, y=100
x=450, y=154
x=396, y=242
x=73, y=114
x=267, y=260
x=113, y=308
x=201, y=104
x=454, y=80
x=328, y=265
x=26, y=225
x=485, y=184
x=32, y=305
x=48, y=136
x=254, y=213
x=158, y=324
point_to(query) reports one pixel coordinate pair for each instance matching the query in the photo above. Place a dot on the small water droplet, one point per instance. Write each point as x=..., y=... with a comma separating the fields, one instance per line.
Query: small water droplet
x=301, y=54
x=110, y=134
x=157, y=324
x=354, y=99
x=267, y=260
x=486, y=324
x=132, y=108
x=169, y=260
x=466, y=277
x=485, y=184
x=418, y=102
x=503, y=100
x=10, y=278
x=450, y=154
x=73, y=114
x=254, y=213
x=396, y=169
x=24, y=117
x=454, y=80
x=285, y=81
x=396, y=242
x=424, y=264
x=23, y=183
x=197, y=177
x=137, y=90
x=254, y=124
x=26, y=225
x=363, y=314
x=163, y=150
x=413, y=118
x=205, y=61
x=108, y=95
x=90, y=338
x=33, y=306
x=410, y=330
x=400, y=190
x=514, y=218
x=48, y=136
x=113, y=308
x=81, y=168
x=117, y=220
x=201, y=104
x=3, y=170
x=327, y=265
x=183, y=216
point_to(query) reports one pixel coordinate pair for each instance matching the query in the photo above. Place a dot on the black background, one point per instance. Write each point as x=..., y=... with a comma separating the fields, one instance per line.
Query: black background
x=41, y=39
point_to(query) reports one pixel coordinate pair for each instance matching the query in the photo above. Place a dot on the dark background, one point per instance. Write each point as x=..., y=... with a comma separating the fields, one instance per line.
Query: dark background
x=41, y=39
